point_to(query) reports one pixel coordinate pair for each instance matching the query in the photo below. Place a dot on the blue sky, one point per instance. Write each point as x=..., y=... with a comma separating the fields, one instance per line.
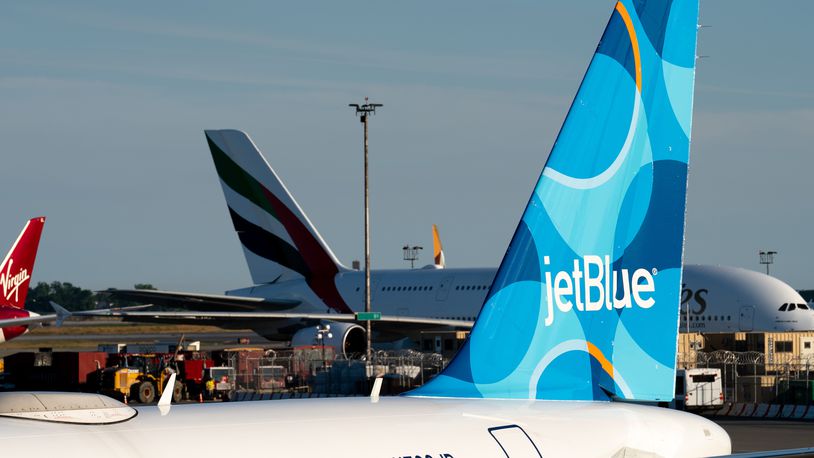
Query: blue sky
x=104, y=105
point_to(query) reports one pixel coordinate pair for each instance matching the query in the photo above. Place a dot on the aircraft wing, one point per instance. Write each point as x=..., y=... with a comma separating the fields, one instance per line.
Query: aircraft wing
x=387, y=322
x=27, y=321
x=220, y=302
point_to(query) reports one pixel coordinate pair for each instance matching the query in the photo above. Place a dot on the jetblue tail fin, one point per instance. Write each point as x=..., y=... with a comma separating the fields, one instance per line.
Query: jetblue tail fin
x=17, y=267
x=585, y=303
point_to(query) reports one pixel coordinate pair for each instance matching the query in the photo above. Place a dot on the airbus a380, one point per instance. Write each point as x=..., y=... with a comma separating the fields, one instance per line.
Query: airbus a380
x=561, y=371
x=299, y=281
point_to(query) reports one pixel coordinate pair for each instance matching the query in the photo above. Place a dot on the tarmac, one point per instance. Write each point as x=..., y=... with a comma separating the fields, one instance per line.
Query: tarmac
x=750, y=435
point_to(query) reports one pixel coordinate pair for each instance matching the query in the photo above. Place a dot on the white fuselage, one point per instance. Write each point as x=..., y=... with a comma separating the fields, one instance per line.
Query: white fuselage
x=720, y=299
x=391, y=427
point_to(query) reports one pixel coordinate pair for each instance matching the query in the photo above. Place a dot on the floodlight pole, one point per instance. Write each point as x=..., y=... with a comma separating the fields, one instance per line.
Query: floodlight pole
x=364, y=111
x=767, y=258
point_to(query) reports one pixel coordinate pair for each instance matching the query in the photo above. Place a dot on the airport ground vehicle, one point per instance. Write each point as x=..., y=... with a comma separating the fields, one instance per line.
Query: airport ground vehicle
x=699, y=389
x=224, y=382
x=271, y=378
x=139, y=377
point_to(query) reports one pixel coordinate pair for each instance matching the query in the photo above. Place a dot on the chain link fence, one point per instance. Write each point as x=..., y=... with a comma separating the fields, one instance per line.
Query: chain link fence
x=317, y=370
x=752, y=376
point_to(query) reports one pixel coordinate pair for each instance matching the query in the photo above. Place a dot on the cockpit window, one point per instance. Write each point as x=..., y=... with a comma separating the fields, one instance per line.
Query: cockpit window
x=792, y=307
x=783, y=307
x=802, y=307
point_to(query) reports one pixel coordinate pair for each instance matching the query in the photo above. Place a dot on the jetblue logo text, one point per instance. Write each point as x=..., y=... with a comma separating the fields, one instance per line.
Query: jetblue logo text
x=592, y=285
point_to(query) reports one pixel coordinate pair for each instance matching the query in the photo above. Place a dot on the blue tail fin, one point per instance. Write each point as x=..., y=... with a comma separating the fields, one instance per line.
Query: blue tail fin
x=585, y=303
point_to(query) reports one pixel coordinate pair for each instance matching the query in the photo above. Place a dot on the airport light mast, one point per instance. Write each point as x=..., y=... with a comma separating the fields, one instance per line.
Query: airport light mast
x=364, y=111
x=767, y=258
x=411, y=254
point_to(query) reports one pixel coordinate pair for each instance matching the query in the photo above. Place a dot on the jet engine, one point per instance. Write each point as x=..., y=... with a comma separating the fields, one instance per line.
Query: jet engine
x=347, y=339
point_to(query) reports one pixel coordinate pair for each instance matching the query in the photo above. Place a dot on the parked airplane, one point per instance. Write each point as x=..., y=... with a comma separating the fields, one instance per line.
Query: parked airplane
x=722, y=300
x=299, y=282
x=729, y=299
x=582, y=318
x=15, y=276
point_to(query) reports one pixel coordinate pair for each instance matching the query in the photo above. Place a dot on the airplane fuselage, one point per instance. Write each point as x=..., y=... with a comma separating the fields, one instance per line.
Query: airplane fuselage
x=719, y=299
x=11, y=332
x=390, y=427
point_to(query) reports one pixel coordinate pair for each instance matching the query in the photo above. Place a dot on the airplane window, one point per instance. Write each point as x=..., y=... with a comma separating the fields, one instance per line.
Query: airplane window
x=728, y=317
x=803, y=306
x=456, y=288
x=792, y=307
x=783, y=307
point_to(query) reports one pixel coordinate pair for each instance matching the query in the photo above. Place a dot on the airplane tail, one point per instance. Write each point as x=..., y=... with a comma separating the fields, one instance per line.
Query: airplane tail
x=437, y=249
x=585, y=303
x=278, y=240
x=16, y=270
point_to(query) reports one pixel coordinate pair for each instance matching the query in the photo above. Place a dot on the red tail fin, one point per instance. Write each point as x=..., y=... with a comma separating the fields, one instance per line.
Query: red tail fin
x=15, y=272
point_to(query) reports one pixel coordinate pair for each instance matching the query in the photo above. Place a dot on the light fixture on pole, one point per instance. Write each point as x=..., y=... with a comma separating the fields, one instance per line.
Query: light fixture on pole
x=324, y=333
x=364, y=112
x=767, y=258
x=411, y=254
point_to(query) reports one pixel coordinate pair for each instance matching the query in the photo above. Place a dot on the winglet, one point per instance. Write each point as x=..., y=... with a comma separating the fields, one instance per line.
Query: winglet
x=62, y=312
x=166, y=395
x=437, y=249
x=377, y=388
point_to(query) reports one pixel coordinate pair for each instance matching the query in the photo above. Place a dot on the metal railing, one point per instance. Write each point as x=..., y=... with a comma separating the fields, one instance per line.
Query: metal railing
x=313, y=371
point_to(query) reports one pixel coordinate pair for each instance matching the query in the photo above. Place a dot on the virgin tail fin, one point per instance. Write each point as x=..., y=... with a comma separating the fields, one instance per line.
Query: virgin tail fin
x=17, y=267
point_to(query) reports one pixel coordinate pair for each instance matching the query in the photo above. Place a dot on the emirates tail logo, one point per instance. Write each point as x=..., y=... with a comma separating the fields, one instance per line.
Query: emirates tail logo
x=11, y=283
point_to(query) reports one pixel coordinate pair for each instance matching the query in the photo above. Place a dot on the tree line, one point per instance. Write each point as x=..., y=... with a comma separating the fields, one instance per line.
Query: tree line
x=70, y=296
